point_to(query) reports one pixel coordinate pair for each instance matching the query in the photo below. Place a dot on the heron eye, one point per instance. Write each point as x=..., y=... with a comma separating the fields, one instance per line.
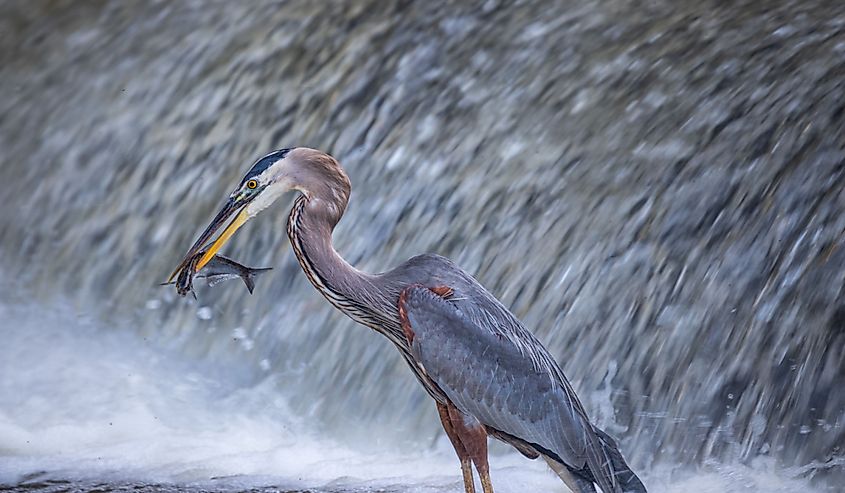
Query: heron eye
x=252, y=184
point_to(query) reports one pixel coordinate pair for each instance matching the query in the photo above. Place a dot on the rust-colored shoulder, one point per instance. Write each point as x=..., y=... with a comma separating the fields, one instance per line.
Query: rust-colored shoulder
x=442, y=291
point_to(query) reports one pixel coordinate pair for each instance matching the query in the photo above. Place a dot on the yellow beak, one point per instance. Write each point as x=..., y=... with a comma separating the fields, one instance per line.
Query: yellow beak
x=232, y=206
x=221, y=240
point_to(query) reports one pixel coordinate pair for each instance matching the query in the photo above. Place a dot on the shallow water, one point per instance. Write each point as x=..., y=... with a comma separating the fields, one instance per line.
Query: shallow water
x=656, y=189
x=106, y=410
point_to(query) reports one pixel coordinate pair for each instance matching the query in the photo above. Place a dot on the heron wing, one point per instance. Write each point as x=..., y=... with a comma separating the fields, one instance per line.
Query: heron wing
x=495, y=370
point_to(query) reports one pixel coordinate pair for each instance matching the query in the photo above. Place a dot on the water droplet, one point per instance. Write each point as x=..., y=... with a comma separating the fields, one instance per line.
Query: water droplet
x=154, y=304
x=264, y=364
x=204, y=313
x=804, y=430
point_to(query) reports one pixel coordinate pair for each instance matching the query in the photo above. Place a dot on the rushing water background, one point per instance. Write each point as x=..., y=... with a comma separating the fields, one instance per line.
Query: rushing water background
x=655, y=188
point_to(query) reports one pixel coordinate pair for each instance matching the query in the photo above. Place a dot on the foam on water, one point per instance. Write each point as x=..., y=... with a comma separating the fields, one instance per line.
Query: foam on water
x=79, y=401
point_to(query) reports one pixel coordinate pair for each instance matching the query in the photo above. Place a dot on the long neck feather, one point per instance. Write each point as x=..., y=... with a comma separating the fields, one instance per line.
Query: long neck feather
x=310, y=227
x=371, y=300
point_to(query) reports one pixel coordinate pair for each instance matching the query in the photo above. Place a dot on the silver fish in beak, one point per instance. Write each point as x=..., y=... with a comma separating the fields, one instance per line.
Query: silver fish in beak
x=234, y=209
x=216, y=270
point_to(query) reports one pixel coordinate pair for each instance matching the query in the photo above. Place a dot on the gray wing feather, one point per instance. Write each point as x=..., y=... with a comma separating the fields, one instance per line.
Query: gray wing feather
x=503, y=377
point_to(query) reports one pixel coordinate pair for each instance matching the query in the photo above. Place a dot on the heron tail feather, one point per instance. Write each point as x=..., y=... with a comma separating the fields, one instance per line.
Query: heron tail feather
x=627, y=480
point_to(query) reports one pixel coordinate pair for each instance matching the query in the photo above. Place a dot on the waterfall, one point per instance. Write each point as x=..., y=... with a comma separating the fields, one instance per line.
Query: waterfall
x=655, y=190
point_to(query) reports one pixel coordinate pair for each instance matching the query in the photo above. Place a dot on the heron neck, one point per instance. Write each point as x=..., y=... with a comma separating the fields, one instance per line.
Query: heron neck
x=310, y=227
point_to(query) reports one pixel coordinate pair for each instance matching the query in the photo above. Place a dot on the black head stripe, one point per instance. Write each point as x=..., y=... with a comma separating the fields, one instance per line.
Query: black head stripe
x=262, y=164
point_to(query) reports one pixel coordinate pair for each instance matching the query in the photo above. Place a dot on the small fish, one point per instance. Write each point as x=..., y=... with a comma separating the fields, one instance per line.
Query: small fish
x=217, y=270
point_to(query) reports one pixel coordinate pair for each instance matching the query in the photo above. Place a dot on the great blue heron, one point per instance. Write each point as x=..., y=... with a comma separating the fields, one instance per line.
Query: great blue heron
x=487, y=373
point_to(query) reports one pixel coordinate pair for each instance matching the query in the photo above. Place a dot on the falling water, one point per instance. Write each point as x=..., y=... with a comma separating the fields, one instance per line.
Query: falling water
x=655, y=188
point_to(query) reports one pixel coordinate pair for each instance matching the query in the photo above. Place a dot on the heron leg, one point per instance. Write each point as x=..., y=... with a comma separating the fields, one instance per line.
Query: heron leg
x=463, y=455
x=473, y=437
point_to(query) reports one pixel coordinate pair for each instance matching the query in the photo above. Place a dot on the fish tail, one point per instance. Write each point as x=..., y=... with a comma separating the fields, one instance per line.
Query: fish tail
x=249, y=277
x=249, y=281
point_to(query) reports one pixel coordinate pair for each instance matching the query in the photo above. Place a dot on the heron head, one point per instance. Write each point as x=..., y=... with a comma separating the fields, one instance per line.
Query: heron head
x=312, y=172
